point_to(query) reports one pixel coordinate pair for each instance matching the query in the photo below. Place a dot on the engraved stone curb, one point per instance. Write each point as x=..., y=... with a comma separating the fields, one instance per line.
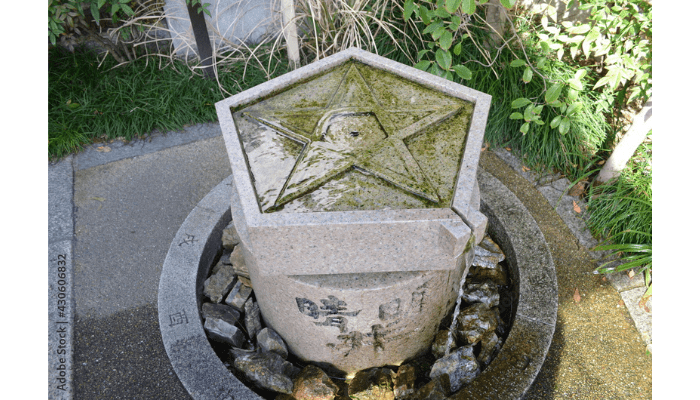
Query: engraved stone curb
x=186, y=266
x=60, y=278
x=509, y=375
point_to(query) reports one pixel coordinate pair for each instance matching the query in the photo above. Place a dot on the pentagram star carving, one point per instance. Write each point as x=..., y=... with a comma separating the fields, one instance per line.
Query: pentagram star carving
x=354, y=131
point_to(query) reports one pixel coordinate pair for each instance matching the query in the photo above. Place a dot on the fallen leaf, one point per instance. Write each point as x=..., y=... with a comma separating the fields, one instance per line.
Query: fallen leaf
x=630, y=273
x=577, y=296
x=605, y=279
x=577, y=190
x=601, y=162
x=525, y=169
x=577, y=208
x=508, y=148
x=104, y=149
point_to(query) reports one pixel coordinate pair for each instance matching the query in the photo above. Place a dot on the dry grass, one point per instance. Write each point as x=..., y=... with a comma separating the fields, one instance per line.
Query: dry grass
x=325, y=27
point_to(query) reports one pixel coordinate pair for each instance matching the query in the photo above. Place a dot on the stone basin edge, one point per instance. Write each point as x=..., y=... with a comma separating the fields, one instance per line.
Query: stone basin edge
x=508, y=376
x=520, y=359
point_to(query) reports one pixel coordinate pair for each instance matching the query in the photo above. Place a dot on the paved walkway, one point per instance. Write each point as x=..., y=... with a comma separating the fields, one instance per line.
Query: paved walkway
x=113, y=215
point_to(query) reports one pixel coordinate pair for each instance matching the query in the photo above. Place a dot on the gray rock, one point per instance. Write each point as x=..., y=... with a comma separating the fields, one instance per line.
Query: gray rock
x=490, y=345
x=238, y=262
x=266, y=370
x=496, y=275
x=239, y=295
x=270, y=341
x=221, y=311
x=230, y=238
x=487, y=254
x=475, y=321
x=439, y=347
x=216, y=268
x=219, y=283
x=405, y=381
x=248, y=345
x=436, y=389
x=486, y=293
x=252, y=318
x=372, y=384
x=488, y=244
x=224, y=332
x=460, y=367
x=225, y=258
x=313, y=384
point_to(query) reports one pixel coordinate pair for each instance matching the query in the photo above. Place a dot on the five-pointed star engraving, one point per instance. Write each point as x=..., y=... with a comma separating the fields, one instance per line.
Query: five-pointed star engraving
x=354, y=131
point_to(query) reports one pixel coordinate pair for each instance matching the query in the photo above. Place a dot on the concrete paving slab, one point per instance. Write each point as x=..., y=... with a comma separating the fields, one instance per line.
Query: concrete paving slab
x=156, y=141
x=127, y=213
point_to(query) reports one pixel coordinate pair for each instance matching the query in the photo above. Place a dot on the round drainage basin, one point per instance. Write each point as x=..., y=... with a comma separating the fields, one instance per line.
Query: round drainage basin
x=509, y=375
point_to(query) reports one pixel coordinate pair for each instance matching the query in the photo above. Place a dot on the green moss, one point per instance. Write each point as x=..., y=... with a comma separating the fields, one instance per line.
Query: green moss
x=373, y=140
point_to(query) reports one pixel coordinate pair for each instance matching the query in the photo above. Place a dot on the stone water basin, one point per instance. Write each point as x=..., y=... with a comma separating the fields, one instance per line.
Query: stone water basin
x=356, y=202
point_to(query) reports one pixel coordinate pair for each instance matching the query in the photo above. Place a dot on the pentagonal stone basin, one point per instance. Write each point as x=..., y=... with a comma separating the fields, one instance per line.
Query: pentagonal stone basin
x=356, y=202
x=407, y=138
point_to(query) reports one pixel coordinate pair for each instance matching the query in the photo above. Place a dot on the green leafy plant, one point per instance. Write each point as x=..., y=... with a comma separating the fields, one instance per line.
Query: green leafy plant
x=67, y=18
x=565, y=108
x=621, y=212
x=617, y=38
x=446, y=21
x=628, y=256
x=448, y=24
x=631, y=256
x=68, y=15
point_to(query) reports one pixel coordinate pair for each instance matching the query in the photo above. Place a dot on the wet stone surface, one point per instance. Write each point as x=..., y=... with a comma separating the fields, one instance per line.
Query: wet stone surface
x=354, y=138
x=258, y=356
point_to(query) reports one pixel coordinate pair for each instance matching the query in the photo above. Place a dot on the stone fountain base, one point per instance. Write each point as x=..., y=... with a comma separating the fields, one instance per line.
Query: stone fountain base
x=509, y=375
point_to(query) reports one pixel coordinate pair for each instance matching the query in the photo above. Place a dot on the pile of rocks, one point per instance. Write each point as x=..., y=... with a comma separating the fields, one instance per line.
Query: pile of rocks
x=259, y=356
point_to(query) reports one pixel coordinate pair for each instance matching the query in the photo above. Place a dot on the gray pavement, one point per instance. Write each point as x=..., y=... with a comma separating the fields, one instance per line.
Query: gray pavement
x=113, y=215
